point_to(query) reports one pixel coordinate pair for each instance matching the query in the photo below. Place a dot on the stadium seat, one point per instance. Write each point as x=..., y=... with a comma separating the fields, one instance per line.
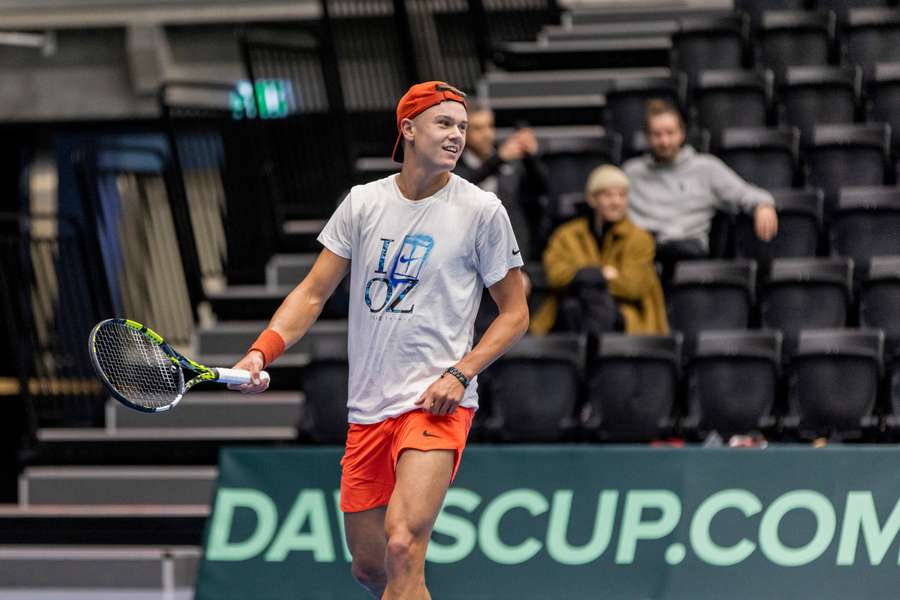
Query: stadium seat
x=763, y=156
x=570, y=160
x=710, y=294
x=626, y=102
x=632, y=386
x=820, y=95
x=705, y=43
x=872, y=36
x=324, y=385
x=866, y=224
x=733, y=98
x=795, y=38
x=806, y=293
x=847, y=155
x=799, y=228
x=833, y=383
x=732, y=382
x=879, y=301
x=884, y=96
x=536, y=389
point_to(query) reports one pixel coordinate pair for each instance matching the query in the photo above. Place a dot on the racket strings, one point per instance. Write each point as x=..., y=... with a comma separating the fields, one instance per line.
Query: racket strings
x=136, y=367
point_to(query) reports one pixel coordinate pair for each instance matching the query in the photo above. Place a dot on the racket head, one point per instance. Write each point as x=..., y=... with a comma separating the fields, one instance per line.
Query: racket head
x=135, y=364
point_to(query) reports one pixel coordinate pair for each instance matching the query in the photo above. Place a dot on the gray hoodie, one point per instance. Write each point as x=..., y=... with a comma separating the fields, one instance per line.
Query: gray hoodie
x=677, y=200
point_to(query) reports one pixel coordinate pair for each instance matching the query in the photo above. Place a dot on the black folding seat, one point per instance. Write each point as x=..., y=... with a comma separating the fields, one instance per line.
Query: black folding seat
x=710, y=294
x=632, y=386
x=733, y=98
x=704, y=43
x=535, y=389
x=879, y=307
x=845, y=156
x=799, y=228
x=806, y=293
x=795, y=38
x=866, y=224
x=820, y=95
x=884, y=97
x=324, y=385
x=872, y=36
x=569, y=160
x=626, y=102
x=879, y=301
x=732, y=382
x=833, y=382
x=763, y=156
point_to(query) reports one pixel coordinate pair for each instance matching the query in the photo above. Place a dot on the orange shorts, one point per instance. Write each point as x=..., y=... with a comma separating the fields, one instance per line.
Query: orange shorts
x=370, y=459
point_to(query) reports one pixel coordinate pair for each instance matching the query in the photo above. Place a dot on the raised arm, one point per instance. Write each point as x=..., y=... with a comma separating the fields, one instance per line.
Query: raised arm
x=297, y=312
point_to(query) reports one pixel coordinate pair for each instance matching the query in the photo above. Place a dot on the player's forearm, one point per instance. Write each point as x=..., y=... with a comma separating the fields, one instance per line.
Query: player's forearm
x=503, y=332
x=297, y=313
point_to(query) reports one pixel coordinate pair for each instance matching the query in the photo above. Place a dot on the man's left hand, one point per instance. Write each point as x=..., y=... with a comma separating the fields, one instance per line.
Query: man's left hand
x=443, y=396
x=765, y=222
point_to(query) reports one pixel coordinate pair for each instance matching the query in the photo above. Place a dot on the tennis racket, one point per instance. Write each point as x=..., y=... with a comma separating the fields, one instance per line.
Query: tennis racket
x=144, y=372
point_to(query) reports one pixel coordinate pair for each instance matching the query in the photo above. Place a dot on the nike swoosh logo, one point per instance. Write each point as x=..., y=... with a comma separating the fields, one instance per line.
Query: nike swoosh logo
x=426, y=434
x=403, y=259
x=515, y=252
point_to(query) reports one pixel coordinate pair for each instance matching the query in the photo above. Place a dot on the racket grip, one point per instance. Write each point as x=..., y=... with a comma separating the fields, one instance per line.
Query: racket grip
x=238, y=376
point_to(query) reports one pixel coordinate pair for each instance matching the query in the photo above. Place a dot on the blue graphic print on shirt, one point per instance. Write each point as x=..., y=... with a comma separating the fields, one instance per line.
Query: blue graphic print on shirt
x=402, y=277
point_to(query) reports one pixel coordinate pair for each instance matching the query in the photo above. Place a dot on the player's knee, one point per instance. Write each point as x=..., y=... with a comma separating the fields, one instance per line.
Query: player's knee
x=401, y=546
x=369, y=575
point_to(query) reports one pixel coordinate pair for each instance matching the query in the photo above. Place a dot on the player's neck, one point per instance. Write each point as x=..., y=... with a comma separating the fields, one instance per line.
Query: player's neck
x=417, y=183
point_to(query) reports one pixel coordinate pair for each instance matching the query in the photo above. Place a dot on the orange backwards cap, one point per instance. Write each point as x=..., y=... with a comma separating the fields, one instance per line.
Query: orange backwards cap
x=418, y=99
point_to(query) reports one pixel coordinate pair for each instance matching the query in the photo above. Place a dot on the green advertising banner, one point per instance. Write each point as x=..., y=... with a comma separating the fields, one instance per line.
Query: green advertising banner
x=579, y=522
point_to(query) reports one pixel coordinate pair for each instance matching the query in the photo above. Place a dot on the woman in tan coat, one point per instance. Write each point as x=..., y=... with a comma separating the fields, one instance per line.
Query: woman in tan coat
x=610, y=242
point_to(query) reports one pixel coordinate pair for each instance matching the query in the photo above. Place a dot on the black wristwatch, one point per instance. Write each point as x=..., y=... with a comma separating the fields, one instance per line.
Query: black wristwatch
x=458, y=374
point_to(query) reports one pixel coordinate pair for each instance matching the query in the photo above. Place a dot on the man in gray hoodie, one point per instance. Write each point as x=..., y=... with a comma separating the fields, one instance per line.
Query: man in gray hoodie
x=676, y=190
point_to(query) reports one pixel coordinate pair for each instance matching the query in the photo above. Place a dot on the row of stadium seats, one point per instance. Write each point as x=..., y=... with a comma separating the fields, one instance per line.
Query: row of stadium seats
x=641, y=388
x=698, y=40
x=636, y=388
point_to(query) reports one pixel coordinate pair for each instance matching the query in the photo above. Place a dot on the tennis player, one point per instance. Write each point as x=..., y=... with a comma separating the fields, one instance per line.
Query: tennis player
x=419, y=246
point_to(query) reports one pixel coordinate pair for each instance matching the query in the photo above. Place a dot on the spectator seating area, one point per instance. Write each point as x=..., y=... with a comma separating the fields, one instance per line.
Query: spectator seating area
x=793, y=96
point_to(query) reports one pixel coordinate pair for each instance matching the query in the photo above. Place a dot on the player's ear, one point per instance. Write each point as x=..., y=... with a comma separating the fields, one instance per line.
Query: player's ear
x=407, y=128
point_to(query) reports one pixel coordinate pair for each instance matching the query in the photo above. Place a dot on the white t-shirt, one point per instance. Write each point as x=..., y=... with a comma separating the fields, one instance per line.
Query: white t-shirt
x=417, y=272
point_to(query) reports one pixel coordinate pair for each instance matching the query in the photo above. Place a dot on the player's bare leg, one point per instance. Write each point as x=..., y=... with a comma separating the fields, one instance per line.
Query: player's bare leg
x=422, y=482
x=367, y=541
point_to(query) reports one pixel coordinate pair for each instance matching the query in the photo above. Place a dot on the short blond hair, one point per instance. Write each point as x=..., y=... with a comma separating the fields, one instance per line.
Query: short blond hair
x=605, y=177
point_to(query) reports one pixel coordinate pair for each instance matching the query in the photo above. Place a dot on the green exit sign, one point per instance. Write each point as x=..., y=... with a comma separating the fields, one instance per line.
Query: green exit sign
x=268, y=99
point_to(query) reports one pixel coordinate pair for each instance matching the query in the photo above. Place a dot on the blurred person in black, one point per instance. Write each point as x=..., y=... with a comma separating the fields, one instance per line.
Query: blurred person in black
x=511, y=170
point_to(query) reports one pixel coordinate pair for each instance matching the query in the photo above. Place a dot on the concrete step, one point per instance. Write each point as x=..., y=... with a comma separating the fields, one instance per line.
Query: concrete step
x=171, y=525
x=214, y=409
x=671, y=12
x=590, y=54
x=234, y=338
x=588, y=83
x=98, y=486
x=288, y=269
x=370, y=168
x=149, y=445
x=44, y=568
x=244, y=302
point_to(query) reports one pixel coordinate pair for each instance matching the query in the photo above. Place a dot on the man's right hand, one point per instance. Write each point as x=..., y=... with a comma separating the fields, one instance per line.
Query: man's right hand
x=511, y=149
x=252, y=362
